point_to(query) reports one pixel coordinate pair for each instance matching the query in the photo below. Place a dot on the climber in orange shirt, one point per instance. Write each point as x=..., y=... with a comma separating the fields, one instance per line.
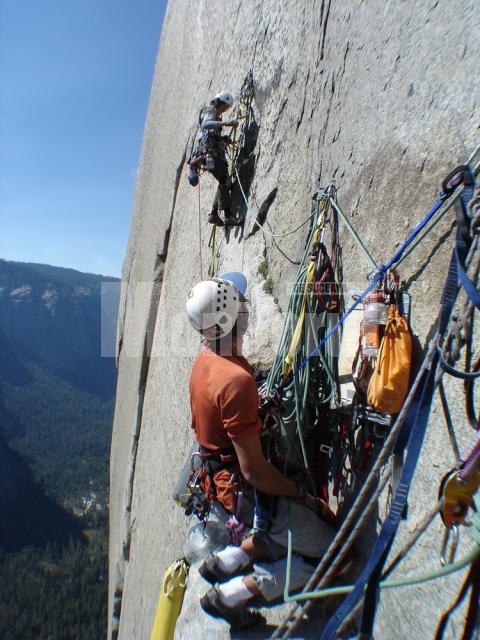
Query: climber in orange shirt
x=224, y=405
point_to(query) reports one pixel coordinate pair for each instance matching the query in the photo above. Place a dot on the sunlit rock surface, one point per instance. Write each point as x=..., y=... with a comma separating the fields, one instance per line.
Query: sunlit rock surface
x=380, y=96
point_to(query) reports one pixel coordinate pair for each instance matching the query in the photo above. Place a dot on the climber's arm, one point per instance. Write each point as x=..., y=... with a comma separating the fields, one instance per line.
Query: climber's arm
x=258, y=472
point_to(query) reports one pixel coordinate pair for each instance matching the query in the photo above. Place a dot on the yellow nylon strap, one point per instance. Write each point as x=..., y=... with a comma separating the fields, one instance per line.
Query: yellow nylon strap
x=240, y=114
x=288, y=366
x=211, y=244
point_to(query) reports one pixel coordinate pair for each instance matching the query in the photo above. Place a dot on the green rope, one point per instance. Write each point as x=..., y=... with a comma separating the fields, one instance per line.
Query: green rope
x=295, y=395
x=407, y=581
x=262, y=226
x=301, y=410
x=354, y=234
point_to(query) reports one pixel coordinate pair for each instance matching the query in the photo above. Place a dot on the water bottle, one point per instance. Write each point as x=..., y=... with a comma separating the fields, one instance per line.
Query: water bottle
x=375, y=316
x=261, y=516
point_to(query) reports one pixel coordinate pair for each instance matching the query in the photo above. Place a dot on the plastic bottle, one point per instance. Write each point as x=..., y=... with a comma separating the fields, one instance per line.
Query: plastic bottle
x=375, y=316
x=262, y=519
x=205, y=537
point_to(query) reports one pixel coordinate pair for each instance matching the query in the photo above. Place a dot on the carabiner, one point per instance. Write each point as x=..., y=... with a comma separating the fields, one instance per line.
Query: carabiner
x=447, y=554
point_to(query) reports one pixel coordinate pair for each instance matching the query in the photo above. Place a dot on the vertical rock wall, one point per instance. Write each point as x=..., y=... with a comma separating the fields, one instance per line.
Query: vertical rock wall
x=383, y=97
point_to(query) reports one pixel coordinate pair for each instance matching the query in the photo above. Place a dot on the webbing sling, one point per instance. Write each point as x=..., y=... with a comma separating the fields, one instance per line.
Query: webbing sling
x=463, y=375
x=463, y=239
x=417, y=416
x=459, y=255
x=466, y=283
x=449, y=295
x=412, y=432
x=381, y=271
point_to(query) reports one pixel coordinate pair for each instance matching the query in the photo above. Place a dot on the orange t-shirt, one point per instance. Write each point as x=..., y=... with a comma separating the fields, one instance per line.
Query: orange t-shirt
x=223, y=399
x=224, y=404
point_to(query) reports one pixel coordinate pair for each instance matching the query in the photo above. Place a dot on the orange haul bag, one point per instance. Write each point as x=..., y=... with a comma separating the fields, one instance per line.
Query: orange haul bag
x=390, y=381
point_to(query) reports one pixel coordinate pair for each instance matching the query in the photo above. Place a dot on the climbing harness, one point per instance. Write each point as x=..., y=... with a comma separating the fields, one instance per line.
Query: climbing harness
x=170, y=601
x=304, y=377
x=197, y=489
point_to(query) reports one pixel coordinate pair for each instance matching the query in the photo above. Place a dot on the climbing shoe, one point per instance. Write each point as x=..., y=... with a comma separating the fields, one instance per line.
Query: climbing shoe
x=214, y=218
x=238, y=617
x=211, y=572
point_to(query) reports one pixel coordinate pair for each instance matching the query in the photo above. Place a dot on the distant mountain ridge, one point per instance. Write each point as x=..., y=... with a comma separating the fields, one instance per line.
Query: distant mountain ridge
x=56, y=317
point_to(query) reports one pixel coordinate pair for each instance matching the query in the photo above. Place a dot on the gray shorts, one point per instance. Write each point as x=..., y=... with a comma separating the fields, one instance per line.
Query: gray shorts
x=270, y=577
x=311, y=537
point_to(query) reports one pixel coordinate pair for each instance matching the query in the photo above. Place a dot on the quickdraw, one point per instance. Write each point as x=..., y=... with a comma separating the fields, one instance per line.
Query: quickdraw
x=245, y=114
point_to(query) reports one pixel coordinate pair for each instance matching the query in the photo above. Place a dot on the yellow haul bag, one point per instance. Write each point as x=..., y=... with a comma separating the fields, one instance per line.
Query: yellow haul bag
x=388, y=386
x=170, y=601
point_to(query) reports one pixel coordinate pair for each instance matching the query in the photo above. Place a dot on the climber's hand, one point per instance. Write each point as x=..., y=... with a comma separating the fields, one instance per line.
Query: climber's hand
x=302, y=480
x=321, y=508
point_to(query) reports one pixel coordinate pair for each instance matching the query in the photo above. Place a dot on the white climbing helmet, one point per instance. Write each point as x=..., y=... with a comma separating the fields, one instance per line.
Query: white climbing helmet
x=213, y=305
x=226, y=97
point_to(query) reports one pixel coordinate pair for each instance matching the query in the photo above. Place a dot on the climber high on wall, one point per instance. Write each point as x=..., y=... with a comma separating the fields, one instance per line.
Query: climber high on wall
x=209, y=153
x=225, y=417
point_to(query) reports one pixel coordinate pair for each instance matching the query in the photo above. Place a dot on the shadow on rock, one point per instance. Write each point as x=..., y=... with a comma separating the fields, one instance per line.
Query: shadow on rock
x=245, y=167
x=27, y=515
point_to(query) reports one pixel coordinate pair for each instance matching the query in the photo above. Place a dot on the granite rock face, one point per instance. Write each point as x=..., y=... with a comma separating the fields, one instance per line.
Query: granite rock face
x=379, y=96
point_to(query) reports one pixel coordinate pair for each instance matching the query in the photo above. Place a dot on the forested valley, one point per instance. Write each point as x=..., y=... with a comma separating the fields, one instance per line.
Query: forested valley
x=55, y=431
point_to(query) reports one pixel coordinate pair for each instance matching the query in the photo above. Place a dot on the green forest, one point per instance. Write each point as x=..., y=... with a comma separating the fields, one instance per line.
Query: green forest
x=56, y=413
x=55, y=593
x=54, y=590
x=62, y=432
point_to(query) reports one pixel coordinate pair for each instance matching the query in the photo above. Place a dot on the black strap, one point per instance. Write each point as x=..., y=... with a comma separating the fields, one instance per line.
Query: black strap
x=216, y=460
x=456, y=373
x=226, y=451
x=472, y=580
x=473, y=607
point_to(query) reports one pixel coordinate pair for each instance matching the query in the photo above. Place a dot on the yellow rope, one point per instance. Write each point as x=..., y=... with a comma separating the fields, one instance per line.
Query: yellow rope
x=307, y=291
x=200, y=233
x=211, y=244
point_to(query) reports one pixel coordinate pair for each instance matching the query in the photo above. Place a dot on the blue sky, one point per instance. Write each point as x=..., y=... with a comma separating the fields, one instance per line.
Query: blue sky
x=75, y=78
